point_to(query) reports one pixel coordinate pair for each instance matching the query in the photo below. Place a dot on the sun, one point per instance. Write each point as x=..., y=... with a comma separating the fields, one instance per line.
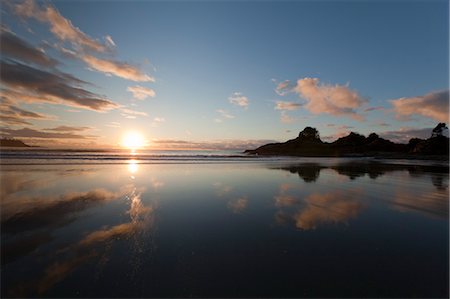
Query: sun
x=133, y=140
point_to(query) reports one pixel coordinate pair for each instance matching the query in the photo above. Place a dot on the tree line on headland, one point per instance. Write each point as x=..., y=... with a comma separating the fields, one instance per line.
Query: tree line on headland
x=308, y=143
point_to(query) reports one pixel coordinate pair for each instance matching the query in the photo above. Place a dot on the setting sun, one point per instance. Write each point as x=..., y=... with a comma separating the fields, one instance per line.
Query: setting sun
x=133, y=140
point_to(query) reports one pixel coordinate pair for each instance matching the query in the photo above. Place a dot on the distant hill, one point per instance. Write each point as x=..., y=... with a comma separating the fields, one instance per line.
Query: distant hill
x=308, y=143
x=10, y=142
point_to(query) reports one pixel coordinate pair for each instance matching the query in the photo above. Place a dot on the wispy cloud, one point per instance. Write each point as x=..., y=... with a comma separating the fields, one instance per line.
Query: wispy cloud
x=140, y=92
x=37, y=85
x=68, y=129
x=129, y=113
x=338, y=100
x=238, y=145
x=285, y=118
x=157, y=121
x=238, y=99
x=377, y=108
x=224, y=115
x=110, y=41
x=284, y=87
x=14, y=47
x=13, y=115
x=83, y=46
x=113, y=125
x=282, y=105
x=61, y=27
x=32, y=133
x=433, y=105
x=117, y=68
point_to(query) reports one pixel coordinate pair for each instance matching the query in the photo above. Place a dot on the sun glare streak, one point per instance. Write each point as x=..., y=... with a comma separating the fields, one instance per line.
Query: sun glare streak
x=132, y=166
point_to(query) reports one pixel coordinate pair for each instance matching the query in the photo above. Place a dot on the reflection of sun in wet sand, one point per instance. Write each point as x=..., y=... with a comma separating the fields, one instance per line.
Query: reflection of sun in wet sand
x=133, y=166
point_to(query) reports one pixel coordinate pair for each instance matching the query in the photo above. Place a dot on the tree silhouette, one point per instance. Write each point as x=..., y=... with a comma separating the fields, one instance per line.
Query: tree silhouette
x=309, y=134
x=439, y=130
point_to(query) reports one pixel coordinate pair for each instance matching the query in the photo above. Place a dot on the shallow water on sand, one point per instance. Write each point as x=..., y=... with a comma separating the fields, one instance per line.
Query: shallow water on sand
x=340, y=228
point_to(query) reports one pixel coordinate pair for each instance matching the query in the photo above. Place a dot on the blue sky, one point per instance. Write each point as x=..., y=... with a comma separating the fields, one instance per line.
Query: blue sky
x=377, y=66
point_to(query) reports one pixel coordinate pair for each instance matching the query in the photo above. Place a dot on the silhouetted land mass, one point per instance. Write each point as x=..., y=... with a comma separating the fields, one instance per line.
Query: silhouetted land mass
x=309, y=144
x=11, y=142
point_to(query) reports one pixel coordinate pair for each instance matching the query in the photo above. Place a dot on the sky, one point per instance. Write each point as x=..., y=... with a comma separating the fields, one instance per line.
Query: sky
x=221, y=74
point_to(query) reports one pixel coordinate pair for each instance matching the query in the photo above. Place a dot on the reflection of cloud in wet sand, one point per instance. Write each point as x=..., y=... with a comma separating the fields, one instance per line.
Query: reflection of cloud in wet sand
x=432, y=203
x=238, y=205
x=332, y=207
x=222, y=189
x=316, y=209
x=141, y=219
x=31, y=213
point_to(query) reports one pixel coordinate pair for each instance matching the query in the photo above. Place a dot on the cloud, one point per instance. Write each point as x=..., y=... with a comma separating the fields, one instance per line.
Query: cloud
x=110, y=41
x=433, y=105
x=13, y=115
x=140, y=92
x=157, y=121
x=281, y=105
x=61, y=27
x=68, y=129
x=237, y=145
x=338, y=100
x=129, y=113
x=32, y=133
x=37, y=85
x=284, y=87
x=113, y=125
x=14, y=47
x=405, y=134
x=285, y=118
x=238, y=99
x=374, y=109
x=116, y=68
x=224, y=114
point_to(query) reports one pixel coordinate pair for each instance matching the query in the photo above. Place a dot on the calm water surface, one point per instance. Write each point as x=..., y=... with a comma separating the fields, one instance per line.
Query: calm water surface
x=266, y=228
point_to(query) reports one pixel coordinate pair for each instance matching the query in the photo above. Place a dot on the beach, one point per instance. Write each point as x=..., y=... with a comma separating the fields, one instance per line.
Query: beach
x=80, y=224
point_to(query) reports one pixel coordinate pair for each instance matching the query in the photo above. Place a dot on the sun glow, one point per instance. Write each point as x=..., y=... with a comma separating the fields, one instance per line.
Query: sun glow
x=133, y=140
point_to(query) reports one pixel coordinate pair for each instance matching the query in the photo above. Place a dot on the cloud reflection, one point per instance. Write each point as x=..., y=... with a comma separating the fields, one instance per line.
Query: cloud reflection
x=316, y=209
x=333, y=207
x=238, y=205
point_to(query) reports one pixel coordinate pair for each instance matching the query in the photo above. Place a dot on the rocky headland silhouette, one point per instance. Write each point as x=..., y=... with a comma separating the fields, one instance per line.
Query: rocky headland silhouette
x=11, y=142
x=309, y=144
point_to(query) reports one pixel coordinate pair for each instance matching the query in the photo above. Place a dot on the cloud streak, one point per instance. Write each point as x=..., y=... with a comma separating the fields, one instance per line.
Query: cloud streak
x=61, y=27
x=14, y=47
x=116, y=68
x=34, y=85
x=32, y=133
x=284, y=87
x=13, y=115
x=282, y=105
x=140, y=92
x=433, y=105
x=238, y=99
